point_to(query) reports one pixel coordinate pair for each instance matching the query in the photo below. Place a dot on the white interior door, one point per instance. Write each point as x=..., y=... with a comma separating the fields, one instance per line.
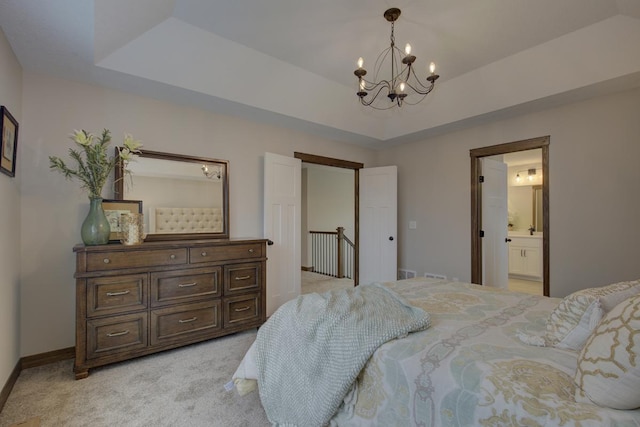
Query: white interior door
x=378, y=224
x=282, y=201
x=495, y=254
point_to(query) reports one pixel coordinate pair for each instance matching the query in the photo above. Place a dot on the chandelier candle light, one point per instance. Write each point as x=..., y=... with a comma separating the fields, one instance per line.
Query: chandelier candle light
x=403, y=76
x=211, y=174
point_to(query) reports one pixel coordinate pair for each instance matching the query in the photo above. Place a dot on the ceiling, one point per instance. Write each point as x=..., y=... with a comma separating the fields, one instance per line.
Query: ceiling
x=291, y=63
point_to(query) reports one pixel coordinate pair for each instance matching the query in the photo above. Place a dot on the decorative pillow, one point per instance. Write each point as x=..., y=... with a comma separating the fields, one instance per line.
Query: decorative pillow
x=609, y=364
x=578, y=314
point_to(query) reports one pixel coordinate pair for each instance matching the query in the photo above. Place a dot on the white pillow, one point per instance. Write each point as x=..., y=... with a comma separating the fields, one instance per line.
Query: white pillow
x=609, y=364
x=245, y=377
x=571, y=323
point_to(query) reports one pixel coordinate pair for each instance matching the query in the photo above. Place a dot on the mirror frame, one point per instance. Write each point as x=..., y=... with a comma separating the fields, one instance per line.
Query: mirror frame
x=119, y=193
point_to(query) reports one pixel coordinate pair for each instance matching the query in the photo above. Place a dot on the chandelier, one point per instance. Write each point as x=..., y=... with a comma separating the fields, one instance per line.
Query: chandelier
x=403, y=81
x=211, y=174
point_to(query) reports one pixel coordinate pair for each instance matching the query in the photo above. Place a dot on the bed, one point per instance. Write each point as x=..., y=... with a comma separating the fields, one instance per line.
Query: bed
x=490, y=357
x=164, y=220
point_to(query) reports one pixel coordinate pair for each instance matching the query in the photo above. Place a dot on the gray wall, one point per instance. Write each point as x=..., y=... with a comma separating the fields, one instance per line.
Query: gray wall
x=10, y=97
x=594, y=185
x=594, y=178
x=53, y=208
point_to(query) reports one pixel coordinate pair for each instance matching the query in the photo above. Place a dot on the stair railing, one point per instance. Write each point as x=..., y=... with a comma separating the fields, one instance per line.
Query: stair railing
x=332, y=253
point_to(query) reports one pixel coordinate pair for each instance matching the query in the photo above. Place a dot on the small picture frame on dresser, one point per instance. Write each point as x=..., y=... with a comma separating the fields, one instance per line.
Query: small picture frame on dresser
x=8, y=142
x=113, y=209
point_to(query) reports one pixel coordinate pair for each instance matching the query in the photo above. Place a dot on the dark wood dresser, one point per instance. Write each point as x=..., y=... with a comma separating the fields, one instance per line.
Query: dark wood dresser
x=136, y=300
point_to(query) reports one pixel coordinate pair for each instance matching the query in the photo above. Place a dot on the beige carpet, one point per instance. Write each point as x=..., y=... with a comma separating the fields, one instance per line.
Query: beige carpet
x=314, y=282
x=182, y=387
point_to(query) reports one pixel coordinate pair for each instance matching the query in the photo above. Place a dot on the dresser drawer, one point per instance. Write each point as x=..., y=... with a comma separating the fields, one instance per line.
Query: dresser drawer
x=97, y=261
x=224, y=253
x=242, y=277
x=178, y=323
x=241, y=309
x=116, y=334
x=181, y=286
x=118, y=294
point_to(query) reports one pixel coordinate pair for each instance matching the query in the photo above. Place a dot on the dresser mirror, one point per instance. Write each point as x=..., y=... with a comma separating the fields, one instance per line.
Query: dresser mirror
x=183, y=197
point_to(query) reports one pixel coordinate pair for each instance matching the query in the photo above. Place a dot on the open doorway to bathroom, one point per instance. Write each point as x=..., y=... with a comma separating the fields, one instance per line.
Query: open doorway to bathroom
x=499, y=239
x=525, y=220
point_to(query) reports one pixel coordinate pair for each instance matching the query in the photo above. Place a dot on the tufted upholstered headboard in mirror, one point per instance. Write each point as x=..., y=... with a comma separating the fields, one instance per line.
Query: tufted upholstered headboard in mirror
x=183, y=197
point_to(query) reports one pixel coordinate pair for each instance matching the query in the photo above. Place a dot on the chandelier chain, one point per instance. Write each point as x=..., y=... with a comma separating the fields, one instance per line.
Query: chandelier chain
x=393, y=37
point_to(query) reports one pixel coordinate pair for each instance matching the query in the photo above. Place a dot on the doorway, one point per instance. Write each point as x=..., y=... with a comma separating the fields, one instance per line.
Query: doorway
x=355, y=166
x=477, y=273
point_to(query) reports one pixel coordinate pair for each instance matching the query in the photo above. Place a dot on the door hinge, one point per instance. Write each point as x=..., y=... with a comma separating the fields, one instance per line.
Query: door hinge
x=481, y=178
x=481, y=233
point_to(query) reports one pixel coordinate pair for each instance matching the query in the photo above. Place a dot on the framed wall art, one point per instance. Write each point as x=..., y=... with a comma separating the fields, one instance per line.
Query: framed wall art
x=8, y=142
x=113, y=209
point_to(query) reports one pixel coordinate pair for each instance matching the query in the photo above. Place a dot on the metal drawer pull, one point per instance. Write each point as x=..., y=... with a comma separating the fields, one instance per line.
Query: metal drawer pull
x=172, y=256
x=187, y=285
x=243, y=277
x=117, y=334
x=106, y=260
x=115, y=294
x=251, y=250
x=193, y=319
x=203, y=254
x=243, y=308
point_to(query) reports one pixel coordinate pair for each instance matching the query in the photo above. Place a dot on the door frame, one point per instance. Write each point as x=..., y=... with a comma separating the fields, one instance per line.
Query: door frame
x=476, y=201
x=345, y=164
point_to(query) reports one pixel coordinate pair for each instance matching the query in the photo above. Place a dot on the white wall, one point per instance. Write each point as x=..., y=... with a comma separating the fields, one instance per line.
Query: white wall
x=10, y=97
x=331, y=199
x=53, y=209
x=594, y=178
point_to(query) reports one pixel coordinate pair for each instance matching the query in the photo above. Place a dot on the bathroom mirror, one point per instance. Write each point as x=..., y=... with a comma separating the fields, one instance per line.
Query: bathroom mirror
x=537, y=207
x=183, y=197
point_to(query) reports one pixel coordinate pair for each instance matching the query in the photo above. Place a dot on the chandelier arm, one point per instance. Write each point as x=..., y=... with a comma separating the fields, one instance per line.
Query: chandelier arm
x=418, y=101
x=371, y=86
x=380, y=62
x=421, y=92
x=373, y=98
x=424, y=95
x=395, y=61
x=417, y=79
x=391, y=105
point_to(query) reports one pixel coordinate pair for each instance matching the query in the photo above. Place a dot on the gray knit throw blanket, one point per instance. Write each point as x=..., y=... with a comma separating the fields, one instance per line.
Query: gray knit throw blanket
x=310, y=352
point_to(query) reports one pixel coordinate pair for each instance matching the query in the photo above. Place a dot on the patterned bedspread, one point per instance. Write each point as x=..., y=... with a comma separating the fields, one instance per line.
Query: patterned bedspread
x=470, y=369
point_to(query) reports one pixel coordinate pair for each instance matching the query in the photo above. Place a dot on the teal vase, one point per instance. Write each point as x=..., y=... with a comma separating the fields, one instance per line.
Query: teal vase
x=95, y=228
